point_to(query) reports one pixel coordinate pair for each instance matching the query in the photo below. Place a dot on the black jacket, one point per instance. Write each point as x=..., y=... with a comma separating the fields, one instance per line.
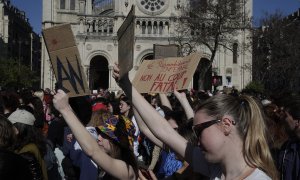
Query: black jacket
x=13, y=166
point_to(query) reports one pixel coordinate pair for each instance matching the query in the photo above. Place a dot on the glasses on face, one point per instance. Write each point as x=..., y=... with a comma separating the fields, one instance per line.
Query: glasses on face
x=197, y=129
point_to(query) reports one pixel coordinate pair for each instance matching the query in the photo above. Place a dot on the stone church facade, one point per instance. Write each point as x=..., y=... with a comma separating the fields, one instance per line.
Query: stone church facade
x=95, y=24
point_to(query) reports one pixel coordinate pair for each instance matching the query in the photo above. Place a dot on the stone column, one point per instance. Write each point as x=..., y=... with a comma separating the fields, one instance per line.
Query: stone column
x=110, y=85
x=88, y=7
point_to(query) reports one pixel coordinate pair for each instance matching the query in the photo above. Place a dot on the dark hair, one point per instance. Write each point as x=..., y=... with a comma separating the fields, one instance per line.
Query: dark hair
x=26, y=95
x=10, y=101
x=100, y=100
x=115, y=105
x=156, y=97
x=275, y=126
x=29, y=134
x=38, y=111
x=53, y=110
x=7, y=134
x=178, y=116
x=185, y=130
x=292, y=106
x=82, y=108
x=128, y=102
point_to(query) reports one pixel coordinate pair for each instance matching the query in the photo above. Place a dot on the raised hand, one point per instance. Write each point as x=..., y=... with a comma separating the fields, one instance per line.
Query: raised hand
x=61, y=101
x=185, y=104
x=116, y=72
x=123, y=82
x=180, y=96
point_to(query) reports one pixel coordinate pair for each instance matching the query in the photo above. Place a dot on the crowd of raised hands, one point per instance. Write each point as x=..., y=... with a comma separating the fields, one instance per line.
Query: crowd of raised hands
x=230, y=142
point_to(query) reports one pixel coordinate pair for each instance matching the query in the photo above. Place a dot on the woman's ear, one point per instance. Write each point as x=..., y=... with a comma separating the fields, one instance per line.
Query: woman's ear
x=227, y=122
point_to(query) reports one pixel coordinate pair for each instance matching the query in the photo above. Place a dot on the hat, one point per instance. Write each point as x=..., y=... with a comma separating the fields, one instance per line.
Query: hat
x=99, y=106
x=21, y=116
x=113, y=129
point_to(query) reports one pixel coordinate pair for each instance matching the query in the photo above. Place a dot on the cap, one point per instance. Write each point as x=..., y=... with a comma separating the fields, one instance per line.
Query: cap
x=113, y=129
x=21, y=116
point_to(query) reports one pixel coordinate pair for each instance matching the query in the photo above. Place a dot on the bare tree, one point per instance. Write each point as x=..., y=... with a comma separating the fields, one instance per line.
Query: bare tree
x=212, y=24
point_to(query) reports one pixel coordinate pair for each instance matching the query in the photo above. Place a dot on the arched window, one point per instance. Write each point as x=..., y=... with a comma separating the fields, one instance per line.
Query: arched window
x=72, y=4
x=234, y=53
x=143, y=27
x=62, y=4
x=99, y=73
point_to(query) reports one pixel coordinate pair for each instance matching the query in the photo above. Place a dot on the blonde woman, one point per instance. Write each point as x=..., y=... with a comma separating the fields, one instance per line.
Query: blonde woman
x=230, y=131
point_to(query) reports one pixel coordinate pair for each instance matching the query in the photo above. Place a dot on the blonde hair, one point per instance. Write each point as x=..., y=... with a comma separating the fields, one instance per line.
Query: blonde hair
x=249, y=118
x=99, y=117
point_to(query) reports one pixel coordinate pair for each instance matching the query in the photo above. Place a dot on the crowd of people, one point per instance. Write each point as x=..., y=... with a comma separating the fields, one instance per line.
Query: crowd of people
x=128, y=135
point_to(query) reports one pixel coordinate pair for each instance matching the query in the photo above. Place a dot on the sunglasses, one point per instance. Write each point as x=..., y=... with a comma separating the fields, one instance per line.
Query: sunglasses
x=197, y=129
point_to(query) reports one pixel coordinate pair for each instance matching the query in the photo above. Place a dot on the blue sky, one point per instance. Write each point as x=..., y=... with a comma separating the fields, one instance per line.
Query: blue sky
x=33, y=9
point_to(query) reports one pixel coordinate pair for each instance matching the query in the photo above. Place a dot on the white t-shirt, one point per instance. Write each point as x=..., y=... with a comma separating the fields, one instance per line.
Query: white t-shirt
x=257, y=174
x=200, y=165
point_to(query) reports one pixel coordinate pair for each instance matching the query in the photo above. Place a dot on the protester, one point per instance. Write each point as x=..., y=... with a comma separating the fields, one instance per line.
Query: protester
x=127, y=111
x=38, y=111
x=289, y=154
x=276, y=129
x=230, y=131
x=9, y=102
x=29, y=138
x=12, y=166
x=123, y=168
x=88, y=169
x=75, y=158
x=55, y=138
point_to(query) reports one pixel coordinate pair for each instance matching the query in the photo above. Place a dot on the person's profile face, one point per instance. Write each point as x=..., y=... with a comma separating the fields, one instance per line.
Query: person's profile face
x=124, y=107
x=104, y=144
x=210, y=137
x=293, y=125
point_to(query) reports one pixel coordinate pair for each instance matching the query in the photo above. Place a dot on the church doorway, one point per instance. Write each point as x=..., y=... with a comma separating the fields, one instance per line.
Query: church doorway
x=147, y=57
x=98, y=73
x=204, y=84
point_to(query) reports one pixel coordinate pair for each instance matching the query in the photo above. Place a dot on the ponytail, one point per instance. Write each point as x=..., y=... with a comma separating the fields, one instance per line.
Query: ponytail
x=255, y=149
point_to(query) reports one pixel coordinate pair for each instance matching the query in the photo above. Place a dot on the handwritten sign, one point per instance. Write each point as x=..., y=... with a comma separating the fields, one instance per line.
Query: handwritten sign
x=65, y=60
x=165, y=75
x=126, y=43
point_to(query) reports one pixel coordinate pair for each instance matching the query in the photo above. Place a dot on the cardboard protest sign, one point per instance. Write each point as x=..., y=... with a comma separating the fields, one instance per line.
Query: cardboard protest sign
x=163, y=51
x=163, y=75
x=65, y=60
x=126, y=43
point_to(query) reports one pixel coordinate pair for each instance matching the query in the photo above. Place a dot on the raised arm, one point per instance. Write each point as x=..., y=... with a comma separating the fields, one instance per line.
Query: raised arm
x=189, y=112
x=156, y=123
x=164, y=100
x=145, y=130
x=88, y=143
